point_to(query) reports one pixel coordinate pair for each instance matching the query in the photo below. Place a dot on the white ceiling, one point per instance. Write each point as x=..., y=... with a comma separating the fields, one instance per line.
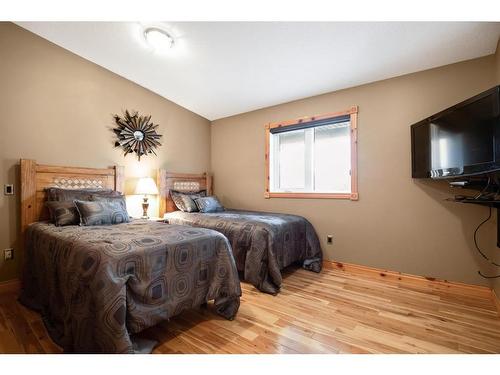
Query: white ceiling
x=219, y=69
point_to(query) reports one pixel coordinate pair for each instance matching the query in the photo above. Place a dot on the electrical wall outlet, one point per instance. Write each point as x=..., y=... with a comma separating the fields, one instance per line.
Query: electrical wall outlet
x=329, y=239
x=8, y=254
x=8, y=189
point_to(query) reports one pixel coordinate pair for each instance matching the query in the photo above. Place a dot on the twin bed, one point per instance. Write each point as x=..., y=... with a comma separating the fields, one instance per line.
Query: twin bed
x=97, y=286
x=263, y=243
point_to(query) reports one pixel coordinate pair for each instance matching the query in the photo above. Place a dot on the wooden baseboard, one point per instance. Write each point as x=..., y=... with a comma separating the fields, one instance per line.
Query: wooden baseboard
x=378, y=273
x=10, y=286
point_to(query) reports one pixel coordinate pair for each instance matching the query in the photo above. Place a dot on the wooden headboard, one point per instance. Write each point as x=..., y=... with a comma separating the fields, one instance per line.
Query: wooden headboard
x=36, y=177
x=167, y=181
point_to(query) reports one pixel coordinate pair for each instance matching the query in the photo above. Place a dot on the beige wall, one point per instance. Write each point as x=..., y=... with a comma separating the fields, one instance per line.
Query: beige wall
x=398, y=223
x=57, y=108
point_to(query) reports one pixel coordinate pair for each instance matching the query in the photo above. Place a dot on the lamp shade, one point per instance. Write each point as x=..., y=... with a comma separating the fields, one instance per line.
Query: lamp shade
x=146, y=186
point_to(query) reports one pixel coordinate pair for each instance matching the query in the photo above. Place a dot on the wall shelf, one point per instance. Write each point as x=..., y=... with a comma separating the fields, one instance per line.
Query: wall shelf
x=483, y=202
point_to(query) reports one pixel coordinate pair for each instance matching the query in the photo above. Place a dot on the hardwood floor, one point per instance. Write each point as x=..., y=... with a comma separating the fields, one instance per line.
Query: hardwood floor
x=333, y=312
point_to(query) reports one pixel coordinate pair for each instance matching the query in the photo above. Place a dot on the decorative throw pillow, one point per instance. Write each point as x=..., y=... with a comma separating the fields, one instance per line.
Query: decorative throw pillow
x=118, y=198
x=209, y=204
x=61, y=195
x=101, y=212
x=185, y=201
x=70, y=195
x=63, y=213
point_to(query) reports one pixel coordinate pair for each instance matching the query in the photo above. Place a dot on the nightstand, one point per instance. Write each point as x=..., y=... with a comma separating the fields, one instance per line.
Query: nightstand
x=157, y=219
x=160, y=219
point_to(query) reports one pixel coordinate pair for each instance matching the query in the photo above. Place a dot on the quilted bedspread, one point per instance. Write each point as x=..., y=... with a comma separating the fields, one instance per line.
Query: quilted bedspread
x=263, y=243
x=98, y=286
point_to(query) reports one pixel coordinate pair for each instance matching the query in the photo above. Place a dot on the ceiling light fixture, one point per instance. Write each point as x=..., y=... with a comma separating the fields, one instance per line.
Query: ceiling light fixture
x=159, y=39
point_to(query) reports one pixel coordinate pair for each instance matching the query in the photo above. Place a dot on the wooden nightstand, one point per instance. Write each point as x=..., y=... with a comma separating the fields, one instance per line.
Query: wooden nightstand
x=156, y=219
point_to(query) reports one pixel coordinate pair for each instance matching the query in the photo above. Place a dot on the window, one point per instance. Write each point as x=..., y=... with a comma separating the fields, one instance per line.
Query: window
x=313, y=157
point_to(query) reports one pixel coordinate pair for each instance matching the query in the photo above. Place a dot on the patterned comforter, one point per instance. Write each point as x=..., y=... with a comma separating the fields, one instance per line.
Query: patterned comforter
x=98, y=286
x=263, y=243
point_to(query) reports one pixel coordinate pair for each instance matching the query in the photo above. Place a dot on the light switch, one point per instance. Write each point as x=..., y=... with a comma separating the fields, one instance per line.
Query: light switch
x=8, y=189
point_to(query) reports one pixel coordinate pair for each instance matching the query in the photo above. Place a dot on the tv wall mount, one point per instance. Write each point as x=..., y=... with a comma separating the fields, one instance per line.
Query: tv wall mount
x=489, y=195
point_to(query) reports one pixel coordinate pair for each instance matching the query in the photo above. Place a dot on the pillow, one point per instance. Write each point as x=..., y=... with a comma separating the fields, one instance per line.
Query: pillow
x=188, y=204
x=61, y=195
x=63, y=213
x=101, y=212
x=209, y=204
x=118, y=198
x=185, y=201
x=70, y=195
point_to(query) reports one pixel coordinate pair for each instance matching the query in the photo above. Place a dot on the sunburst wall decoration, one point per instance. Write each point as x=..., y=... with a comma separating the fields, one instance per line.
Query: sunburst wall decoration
x=136, y=134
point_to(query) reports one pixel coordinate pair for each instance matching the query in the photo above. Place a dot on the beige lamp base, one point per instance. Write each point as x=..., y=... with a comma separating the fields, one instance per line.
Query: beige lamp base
x=145, y=206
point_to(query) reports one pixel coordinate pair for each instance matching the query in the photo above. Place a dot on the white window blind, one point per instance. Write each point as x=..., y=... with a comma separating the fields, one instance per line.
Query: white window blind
x=314, y=159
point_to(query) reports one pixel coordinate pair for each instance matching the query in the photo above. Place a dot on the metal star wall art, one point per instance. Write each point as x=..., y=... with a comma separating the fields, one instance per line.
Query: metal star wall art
x=136, y=134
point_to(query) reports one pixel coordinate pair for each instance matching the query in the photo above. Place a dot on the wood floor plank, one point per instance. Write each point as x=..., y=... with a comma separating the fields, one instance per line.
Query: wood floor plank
x=335, y=311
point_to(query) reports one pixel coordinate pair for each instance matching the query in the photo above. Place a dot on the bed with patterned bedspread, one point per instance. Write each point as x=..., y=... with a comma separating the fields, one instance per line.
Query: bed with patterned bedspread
x=263, y=243
x=96, y=287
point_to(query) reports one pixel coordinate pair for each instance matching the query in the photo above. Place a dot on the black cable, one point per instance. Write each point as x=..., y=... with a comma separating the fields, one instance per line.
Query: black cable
x=484, y=189
x=479, y=250
x=475, y=239
x=487, y=277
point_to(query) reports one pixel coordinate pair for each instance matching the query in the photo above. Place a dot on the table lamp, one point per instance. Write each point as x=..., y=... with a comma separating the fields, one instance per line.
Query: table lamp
x=146, y=186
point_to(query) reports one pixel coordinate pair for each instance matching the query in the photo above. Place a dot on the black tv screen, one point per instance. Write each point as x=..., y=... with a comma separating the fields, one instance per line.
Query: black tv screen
x=462, y=140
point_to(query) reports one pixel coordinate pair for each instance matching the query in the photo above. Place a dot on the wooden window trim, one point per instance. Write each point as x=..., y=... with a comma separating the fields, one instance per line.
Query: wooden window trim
x=354, y=195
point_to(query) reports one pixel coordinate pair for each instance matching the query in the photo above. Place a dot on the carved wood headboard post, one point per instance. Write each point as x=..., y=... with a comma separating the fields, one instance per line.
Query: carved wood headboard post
x=186, y=182
x=28, y=193
x=209, y=183
x=120, y=178
x=161, y=182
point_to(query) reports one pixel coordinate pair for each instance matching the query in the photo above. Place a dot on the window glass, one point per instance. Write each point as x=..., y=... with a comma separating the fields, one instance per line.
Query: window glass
x=315, y=159
x=332, y=158
x=291, y=161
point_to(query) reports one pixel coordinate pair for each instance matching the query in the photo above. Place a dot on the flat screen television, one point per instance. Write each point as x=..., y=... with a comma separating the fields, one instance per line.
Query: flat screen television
x=463, y=140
